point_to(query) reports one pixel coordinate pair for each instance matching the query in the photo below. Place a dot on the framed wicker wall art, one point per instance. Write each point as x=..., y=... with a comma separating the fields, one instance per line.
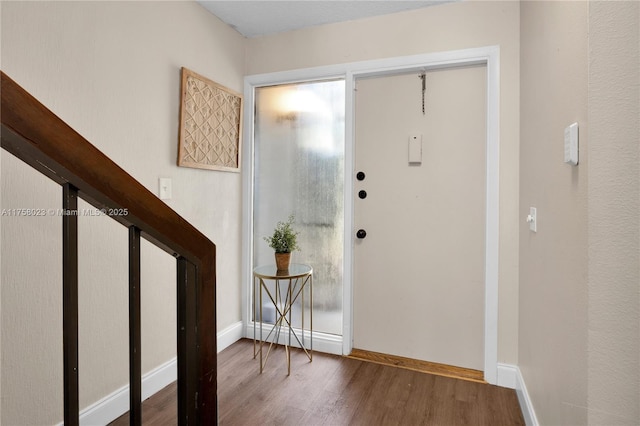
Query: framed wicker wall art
x=210, y=124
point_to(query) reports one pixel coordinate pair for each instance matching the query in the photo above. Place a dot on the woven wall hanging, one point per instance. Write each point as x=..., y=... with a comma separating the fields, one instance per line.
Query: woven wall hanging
x=210, y=124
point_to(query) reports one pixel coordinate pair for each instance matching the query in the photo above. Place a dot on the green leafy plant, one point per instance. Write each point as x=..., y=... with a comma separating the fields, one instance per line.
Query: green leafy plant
x=284, y=238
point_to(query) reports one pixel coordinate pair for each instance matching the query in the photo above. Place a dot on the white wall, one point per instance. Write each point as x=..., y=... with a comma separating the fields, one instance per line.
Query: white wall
x=440, y=28
x=580, y=274
x=613, y=214
x=111, y=70
x=553, y=261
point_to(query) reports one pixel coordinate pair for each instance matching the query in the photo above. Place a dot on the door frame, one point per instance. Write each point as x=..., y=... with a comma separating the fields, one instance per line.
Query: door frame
x=351, y=72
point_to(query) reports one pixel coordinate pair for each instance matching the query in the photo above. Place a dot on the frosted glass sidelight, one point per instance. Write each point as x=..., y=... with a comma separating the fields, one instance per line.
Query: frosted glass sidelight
x=299, y=169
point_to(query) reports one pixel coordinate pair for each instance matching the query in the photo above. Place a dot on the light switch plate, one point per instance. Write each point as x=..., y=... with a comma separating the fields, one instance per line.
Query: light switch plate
x=164, y=190
x=532, y=219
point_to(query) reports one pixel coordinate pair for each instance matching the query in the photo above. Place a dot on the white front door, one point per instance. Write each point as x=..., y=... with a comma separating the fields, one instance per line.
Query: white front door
x=419, y=273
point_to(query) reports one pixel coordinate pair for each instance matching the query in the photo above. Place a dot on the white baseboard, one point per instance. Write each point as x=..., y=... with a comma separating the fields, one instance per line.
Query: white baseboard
x=526, y=405
x=116, y=404
x=322, y=342
x=507, y=375
x=229, y=336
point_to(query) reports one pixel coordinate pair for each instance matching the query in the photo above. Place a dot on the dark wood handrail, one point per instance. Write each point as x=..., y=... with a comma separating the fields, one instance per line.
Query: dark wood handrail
x=38, y=137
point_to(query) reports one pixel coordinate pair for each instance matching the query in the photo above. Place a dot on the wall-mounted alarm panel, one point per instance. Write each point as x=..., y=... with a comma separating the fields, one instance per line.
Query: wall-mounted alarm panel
x=415, y=149
x=571, y=144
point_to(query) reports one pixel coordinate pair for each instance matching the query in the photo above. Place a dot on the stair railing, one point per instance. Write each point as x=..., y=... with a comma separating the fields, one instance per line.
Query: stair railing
x=38, y=137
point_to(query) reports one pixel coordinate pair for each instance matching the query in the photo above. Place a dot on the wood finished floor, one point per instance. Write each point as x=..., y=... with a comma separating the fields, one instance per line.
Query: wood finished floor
x=417, y=365
x=334, y=390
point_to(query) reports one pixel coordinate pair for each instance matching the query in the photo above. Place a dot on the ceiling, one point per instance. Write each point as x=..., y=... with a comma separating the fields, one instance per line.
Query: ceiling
x=257, y=18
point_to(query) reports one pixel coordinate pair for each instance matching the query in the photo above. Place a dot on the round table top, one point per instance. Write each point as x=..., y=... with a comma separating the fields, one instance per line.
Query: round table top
x=296, y=270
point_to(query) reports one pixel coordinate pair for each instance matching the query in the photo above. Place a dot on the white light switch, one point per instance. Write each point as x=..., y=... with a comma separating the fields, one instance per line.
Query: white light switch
x=532, y=219
x=165, y=188
x=415, y=149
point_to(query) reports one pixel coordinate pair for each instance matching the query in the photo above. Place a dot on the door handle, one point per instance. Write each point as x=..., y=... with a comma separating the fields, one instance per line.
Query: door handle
x=361, y=233
x=362, y=194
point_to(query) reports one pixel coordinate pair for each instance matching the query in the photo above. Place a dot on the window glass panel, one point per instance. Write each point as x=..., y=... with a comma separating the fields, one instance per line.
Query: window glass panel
x=299, y=170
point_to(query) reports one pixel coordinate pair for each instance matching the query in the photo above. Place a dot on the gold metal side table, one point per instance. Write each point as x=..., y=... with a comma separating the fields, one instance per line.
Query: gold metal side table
x=290, y=285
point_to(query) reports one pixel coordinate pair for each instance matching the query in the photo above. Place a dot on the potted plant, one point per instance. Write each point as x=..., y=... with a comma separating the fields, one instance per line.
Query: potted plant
x=284, y=240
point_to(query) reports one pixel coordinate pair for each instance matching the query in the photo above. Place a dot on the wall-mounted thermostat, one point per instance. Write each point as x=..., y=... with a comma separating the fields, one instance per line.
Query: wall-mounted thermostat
x=571, y=144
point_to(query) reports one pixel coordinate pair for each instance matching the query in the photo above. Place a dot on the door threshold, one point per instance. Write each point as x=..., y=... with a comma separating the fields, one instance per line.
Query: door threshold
x=418, y=365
